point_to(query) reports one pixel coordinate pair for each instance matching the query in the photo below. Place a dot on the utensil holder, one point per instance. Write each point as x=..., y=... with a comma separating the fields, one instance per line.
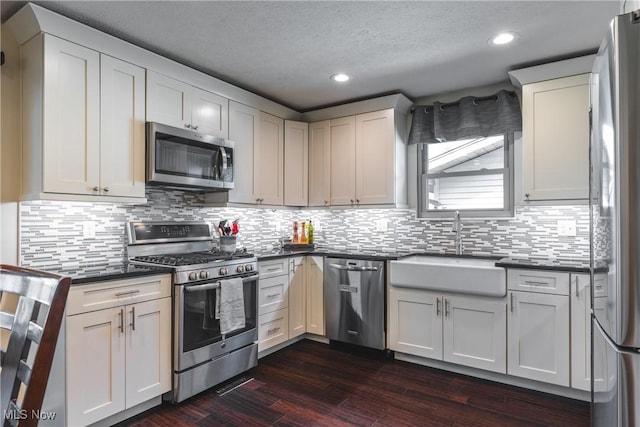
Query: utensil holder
x=228, y=243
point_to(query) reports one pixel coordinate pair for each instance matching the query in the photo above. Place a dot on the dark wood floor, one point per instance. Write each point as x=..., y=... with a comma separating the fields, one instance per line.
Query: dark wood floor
x=313, y=384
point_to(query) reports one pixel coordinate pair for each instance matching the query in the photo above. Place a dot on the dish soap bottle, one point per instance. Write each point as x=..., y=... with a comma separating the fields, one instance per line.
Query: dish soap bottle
x=310, y=233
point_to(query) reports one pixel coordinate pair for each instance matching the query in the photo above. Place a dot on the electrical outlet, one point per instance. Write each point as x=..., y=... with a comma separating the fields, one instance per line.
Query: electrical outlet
x=89, y=229
x=382, y=225
x=566, y=228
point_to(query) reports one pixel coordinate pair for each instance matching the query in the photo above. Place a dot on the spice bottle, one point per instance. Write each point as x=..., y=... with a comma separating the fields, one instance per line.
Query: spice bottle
x=303, y=233
x=310, y=233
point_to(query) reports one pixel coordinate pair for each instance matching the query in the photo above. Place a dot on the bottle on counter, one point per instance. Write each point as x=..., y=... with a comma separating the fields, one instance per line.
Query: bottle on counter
x=310, y=233
x=303, y=233
x=295, y=238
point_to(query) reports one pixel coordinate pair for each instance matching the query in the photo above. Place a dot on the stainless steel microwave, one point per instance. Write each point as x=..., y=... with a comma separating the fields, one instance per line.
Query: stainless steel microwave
x=188, y=160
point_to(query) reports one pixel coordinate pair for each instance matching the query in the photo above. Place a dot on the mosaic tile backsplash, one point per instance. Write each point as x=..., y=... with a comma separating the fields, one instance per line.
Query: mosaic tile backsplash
x=51, y=233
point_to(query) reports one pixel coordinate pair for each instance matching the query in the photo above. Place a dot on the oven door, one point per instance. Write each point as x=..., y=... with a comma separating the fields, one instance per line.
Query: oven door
x=184, y=158
x=197, y=336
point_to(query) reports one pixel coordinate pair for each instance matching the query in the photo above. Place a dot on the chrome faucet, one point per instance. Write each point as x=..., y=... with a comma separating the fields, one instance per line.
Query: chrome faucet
x=457, y=228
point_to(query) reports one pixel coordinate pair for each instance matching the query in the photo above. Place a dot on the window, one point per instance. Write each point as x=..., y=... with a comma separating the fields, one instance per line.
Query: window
x=473, y=176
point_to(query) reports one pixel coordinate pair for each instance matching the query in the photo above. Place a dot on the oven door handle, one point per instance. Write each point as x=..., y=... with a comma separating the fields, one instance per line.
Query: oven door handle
x=214, y=285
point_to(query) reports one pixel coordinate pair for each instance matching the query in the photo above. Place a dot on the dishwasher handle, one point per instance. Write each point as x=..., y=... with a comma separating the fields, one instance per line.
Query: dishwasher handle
x=353, y=267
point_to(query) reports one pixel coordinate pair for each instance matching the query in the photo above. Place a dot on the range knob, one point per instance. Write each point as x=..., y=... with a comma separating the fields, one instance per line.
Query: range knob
x=240, y=269
x=223, y=271
x=248, y=267
x=193, y=276
x=204, y=274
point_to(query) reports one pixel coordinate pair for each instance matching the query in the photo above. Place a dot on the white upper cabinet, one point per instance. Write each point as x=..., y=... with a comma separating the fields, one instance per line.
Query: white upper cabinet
x=122, y=135
x=244, y=130
x=363, y=159
x=269, y=160
x=83, y=123
x=296, y=163
x=375, y=158
x=176, y=103
x=320, y=163
x=343, y=160
x=556, y=139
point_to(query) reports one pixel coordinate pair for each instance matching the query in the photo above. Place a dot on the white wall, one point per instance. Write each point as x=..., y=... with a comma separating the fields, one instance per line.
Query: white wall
x=9, y=149
x=630, y=5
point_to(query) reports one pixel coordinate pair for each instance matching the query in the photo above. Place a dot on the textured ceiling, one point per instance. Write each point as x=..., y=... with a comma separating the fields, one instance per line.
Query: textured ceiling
x=286, y=51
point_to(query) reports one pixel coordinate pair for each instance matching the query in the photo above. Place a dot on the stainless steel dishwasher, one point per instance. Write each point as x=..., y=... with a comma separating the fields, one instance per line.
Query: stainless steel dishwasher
x=354, y=301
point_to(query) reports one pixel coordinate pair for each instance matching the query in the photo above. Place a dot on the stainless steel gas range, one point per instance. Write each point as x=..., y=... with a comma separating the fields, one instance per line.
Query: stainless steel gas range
x=204, y=354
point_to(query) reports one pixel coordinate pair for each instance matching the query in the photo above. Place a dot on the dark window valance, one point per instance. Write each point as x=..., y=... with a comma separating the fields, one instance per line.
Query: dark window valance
x=466, y=118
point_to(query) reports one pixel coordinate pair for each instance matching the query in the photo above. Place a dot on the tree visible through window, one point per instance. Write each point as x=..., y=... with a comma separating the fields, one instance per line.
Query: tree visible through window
x=473, y=176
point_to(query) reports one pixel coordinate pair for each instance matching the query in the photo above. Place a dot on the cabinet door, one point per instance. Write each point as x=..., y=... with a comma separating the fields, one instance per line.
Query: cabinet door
x=296, y=163
x=71, y=151
x=168, y=100
x=538, y=337
x=95, y=366
x=320, y=163
x=555, y=132
x=475, y=332
x=343, y=160
x=297, y=298
x=375, y=157
x=209, y=113
x=581, y=331
x=122, y=134
x=269, y=156
x=315, y=295
x=148, y=366
x=415, y=322
x=244, y=130
x=273, y=329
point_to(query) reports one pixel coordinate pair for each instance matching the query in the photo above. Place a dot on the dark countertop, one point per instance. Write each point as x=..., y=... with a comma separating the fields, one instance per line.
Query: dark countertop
x=576, y=265
x=330, y=252
x=90, y=273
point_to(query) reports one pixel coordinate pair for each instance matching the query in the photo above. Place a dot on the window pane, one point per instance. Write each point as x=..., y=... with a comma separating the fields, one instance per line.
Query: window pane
x=466, y=192
x=466, y=155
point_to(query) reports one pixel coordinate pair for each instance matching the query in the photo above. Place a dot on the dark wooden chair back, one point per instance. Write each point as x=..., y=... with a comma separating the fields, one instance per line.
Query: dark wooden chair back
x=37, y=318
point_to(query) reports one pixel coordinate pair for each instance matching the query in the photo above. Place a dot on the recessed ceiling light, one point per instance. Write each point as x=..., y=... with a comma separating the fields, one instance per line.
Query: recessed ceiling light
x=340, y=77
x=503, y=38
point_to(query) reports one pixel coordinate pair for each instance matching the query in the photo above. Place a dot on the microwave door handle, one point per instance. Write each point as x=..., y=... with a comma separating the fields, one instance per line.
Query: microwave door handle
x=224, y=163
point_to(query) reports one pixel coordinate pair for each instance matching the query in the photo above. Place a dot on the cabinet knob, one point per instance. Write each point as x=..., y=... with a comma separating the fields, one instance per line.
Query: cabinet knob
x=526, y=196
x=195, y=127
x=96, y=188
x=351, y=201
x=358, y=201
x=187, y=125
x=106, y=189
x=326, y=202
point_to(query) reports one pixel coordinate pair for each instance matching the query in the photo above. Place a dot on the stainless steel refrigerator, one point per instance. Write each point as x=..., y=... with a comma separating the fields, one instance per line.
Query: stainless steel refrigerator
x=615, y=225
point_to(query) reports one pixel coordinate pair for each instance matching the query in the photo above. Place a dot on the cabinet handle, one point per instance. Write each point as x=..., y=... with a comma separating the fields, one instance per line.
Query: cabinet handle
x=534, y=283
x=106, y=189
x=511, y=308
x=272, y=296
x=271, y=331
x=446, y=307
x=121, y=315
x=195, y=127
x=96, y=188
x=120, y=294
x=187, y=125
x=437, y=307
x=133, y=318
x=577, y=292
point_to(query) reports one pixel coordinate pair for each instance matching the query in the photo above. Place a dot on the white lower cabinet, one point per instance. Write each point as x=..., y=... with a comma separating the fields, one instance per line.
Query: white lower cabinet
x=117, y=357
x=465, y=330
x=538, y=330
x=291, y=299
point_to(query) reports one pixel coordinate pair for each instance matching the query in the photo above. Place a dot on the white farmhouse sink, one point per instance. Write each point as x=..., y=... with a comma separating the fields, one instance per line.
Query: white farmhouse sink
x=449, y=274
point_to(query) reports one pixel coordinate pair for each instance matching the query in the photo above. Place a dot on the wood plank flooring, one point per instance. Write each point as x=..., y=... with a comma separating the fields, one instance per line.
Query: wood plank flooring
x=314, y=384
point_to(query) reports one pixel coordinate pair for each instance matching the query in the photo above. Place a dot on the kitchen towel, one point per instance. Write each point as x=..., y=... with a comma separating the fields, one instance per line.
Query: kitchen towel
x=231, y=305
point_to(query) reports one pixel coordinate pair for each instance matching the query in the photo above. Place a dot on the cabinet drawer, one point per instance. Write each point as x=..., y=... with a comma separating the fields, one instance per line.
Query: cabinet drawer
x=273, y=329
x=98, y=296
x=547, y=282
x=274, y=267
x=273, y=294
